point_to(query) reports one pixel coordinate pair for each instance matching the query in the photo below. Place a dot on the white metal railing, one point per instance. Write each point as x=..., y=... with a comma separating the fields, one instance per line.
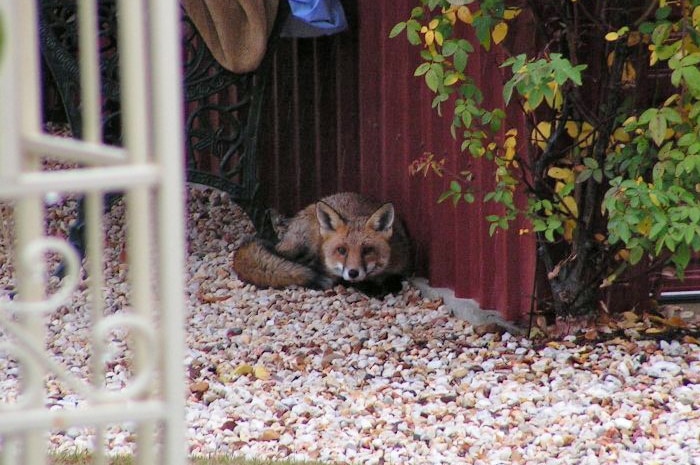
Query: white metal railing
x=149, y=170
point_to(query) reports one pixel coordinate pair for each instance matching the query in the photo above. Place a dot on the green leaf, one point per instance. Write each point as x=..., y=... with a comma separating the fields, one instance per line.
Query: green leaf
x=636, y=254
x=412, y=32
x=549, y=235
x=681, y=256
x=663, y=12
x=660, y=33
x=508, y=90
x=444, y=196
x=598, y=176
x=590, y=162
x=691, y=75
x=460, y=60
x=535, y=97
x=656, y=229
x=687, y=139
x=449, y=48
x=397, y=29
x=583, y=176
x=432, y=80
x=657, y=128
x=482, y=27
x=421, y=69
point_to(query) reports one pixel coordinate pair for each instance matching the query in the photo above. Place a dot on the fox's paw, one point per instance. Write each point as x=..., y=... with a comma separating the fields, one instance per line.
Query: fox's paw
x=321, y=282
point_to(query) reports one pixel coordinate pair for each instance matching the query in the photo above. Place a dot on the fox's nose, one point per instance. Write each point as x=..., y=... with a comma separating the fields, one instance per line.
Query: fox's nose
x=353, y=273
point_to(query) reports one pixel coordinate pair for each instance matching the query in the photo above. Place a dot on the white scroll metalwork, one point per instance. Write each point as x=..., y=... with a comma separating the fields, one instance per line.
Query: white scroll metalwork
x=148, y=169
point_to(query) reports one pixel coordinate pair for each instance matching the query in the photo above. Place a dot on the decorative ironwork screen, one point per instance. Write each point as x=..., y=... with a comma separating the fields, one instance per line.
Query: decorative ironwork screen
x=146, y=334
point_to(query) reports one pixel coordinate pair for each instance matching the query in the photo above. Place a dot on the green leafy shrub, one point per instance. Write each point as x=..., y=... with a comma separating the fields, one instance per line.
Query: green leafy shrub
x=610, y=93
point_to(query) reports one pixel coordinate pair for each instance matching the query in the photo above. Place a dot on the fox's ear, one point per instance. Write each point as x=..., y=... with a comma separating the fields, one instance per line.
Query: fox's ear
x=382, y=220
x=329, y=220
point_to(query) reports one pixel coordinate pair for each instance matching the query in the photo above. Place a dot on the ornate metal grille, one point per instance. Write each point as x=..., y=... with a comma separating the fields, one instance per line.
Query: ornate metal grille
x=148, y=168
x=223, y=108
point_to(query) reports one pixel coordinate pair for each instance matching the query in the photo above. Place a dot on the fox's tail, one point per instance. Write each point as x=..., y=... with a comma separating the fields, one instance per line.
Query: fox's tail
x=256, y=262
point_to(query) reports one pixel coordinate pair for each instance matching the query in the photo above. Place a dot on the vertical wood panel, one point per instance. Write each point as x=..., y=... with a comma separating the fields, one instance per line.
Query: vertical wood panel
x=309, y=133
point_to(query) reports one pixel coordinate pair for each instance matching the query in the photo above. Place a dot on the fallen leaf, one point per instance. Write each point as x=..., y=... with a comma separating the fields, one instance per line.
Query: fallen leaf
x=270, y=435
x=243, y=369
x=199, y=387
x=676, y=322
x=261, y=373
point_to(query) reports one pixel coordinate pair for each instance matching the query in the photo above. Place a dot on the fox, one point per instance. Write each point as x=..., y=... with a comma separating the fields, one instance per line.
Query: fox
x=343, y=238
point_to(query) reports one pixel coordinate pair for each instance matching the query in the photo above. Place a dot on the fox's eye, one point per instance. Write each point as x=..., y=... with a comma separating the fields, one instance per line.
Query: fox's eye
x=367, y=250
x=342, y=250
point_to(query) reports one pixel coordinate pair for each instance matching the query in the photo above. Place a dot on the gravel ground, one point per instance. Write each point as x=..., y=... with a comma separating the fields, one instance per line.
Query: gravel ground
x=338, y=377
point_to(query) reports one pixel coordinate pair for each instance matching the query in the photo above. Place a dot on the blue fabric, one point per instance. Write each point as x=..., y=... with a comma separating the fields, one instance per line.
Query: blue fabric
x=312, y=18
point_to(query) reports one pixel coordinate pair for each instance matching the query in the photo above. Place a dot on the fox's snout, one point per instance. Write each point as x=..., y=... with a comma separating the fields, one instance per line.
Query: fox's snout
x=343, y=263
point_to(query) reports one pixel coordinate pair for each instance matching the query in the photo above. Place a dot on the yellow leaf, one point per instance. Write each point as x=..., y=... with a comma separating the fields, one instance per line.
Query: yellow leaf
x=696, y=16
x=429, y=37
x=511, y=13
x=621, y=135
x=571, y=205
x=585, y=138
x=669, y=133
x=569, y=227
x=554, y=100
x=433, y=24
x=611, y=59
x=451, y=79
x=572, y=129
x=672, y=99
x=509, y=144
x=541, y=133
x=653, y=57
x=630, y=120
x=563, y=174
x=644, y=226
x=499, y=33
x=261, y=373
x=612, y=36
x=655, y=331
x=512, y=132
x=465, y=15
x=451, y=16
x=243, y=369
x=629, y=74
x=654, y=199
